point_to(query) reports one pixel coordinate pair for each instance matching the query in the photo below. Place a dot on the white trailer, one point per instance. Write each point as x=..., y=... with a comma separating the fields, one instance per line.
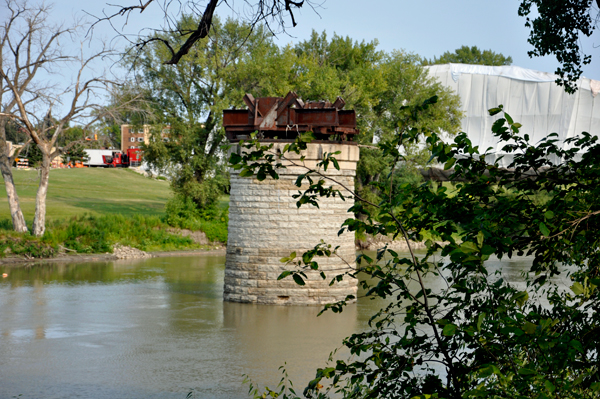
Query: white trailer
x=95, y=157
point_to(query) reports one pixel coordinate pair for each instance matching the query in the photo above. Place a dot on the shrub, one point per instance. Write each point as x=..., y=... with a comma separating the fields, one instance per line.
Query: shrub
x=98, y=234
x=182, y=212
x=25, y=246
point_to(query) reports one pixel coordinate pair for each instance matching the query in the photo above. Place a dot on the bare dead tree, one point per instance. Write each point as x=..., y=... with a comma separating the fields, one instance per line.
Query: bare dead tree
x=34, y=53
x=18, y=69
x=272, y=13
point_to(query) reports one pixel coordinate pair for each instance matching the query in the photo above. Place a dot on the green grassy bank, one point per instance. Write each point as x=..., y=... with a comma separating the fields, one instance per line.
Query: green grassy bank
x=94, y=191
x=91, y=209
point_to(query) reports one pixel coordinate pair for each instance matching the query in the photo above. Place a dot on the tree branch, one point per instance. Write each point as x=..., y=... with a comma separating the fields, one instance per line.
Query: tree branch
x=200, y=33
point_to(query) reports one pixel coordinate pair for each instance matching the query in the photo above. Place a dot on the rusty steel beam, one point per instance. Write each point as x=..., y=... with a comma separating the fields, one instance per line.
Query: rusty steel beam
x=286, y=117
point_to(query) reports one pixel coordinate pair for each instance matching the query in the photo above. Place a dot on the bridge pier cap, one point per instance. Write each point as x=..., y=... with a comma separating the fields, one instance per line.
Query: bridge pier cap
x=265, y=224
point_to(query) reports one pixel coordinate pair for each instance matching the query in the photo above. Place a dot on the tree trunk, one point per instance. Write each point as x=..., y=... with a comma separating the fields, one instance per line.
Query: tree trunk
x=11, y=191
x=39, y=220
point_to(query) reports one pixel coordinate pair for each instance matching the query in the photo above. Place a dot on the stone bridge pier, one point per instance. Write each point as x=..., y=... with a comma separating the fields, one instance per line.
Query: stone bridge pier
x=265, y=225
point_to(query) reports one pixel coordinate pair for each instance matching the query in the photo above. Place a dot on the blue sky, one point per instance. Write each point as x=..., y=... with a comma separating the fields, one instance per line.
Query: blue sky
x=431, y=27
x=428, y=28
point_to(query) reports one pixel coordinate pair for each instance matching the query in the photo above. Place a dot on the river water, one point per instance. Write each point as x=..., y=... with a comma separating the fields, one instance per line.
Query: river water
x=156, y=328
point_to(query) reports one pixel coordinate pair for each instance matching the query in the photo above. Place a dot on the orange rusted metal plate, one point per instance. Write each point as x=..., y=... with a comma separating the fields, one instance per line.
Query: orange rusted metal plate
x=285, y=117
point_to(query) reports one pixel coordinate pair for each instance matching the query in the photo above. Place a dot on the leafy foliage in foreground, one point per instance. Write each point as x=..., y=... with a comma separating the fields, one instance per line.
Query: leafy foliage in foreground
x=478, y=335
x=557, y=27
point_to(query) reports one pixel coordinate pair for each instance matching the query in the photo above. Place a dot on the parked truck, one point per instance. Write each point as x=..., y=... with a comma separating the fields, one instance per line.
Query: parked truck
x=117, y=159
x=95, y=157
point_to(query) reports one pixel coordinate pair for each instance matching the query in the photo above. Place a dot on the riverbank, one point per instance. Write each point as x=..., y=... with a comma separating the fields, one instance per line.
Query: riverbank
x=217, y=249
x=106, y=257
x=123, y=236
x=90, y=211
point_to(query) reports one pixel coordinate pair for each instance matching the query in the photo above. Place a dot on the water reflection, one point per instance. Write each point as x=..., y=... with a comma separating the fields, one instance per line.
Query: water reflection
x=156, y=328
x=268, y=336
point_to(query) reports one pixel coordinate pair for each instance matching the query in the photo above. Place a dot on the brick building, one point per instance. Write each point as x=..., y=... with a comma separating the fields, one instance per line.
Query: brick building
x=133, y=137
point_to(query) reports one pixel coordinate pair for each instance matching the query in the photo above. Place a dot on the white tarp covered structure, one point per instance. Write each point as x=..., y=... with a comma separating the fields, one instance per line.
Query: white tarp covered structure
x=529, y=97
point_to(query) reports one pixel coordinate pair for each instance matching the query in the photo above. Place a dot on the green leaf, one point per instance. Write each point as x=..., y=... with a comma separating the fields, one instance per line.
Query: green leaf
x=246, y=173
x=498, y=124
x=509, y=119
x=288, y=258
x=549, y=386
x=577, y=345
x=307, y=257
x=529, y=327
x=299, y=280
x=284, y=275
x=273, y=175
x=480, y=318
x=487, y=250
x=544, y=230
x=495, y=111
x=234, y=158
x=469, y=247
x=449, y=330
x=261, y=175
x=480, y=238
x=449, y=163
x=577, y=288
x=335, y=163
x=526, y=371
x=520, y=298
x=488, y=370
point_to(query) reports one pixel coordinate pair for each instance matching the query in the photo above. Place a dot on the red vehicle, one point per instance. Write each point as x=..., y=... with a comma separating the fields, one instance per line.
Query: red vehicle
x=133, y=157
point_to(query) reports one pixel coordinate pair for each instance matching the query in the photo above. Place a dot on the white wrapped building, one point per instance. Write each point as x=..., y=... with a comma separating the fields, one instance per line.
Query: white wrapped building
x=529, y=97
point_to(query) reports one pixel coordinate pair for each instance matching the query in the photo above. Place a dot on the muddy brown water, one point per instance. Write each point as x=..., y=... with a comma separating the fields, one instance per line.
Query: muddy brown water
x=156, y=328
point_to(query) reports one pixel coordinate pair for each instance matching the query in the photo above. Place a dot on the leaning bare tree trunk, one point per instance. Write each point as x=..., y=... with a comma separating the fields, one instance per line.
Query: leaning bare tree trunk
x=11, y=192
x=39, y=220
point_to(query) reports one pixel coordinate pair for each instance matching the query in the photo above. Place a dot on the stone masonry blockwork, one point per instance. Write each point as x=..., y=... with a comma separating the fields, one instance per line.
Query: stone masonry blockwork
x=265, y=225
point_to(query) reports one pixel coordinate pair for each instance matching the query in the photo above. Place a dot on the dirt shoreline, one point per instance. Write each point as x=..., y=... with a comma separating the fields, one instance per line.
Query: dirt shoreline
x=22, y=261
x=219, y=251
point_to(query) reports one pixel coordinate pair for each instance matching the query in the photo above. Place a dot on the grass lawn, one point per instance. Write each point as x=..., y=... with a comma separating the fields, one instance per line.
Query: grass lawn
x=96, y=191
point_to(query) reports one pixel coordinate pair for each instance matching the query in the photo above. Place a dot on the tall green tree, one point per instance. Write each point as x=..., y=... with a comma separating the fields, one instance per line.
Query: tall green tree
x=75, y=153
x=187, y=101
x=471, y=55
x=381, y=88
x=340, y=66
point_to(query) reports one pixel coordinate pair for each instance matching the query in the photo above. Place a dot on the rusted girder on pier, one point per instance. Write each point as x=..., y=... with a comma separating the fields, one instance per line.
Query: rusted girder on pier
x=286, y=117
